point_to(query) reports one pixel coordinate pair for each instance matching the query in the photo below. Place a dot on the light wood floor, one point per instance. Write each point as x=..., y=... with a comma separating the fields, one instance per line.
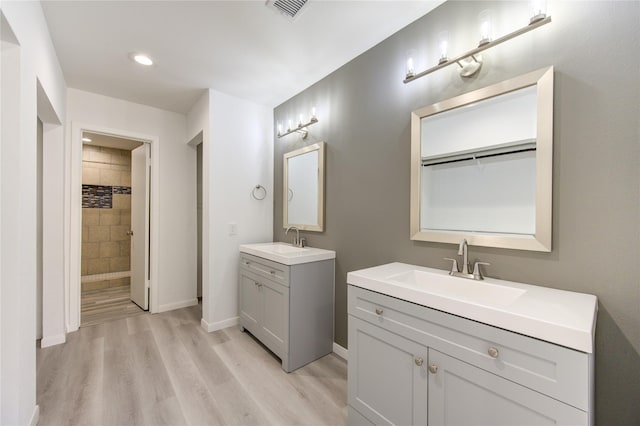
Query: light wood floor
x=164, y=369
x=107, y=304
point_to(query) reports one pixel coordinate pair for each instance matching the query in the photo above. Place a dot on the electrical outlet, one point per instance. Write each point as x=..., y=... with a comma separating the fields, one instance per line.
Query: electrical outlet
x=233, y=228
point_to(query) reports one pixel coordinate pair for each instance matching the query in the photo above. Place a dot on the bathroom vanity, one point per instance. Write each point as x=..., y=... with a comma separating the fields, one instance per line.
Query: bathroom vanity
x=428, y=348
x=286, y=300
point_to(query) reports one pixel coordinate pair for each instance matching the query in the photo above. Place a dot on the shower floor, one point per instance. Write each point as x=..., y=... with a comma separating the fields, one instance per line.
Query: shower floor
x=106, y=305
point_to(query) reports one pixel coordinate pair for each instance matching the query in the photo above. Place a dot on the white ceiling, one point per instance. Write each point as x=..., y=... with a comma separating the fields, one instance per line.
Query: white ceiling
x=239, y=47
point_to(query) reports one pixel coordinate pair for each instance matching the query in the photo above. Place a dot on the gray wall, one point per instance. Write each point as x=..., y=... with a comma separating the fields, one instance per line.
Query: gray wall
x=363, y=110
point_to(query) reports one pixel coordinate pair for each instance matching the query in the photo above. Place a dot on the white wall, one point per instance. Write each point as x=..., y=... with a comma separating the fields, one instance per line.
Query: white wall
x=238, y=155
x=174, y=162
x=32, y=59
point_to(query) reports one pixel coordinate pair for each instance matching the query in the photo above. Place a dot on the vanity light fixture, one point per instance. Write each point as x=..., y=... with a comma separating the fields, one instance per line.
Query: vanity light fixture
x=86, y=139
x=470, y=62
x=301, y=127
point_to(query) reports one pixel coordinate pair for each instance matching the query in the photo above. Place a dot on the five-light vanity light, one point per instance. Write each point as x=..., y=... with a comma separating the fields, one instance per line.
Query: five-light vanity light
x=301, y=127
x=470, y=62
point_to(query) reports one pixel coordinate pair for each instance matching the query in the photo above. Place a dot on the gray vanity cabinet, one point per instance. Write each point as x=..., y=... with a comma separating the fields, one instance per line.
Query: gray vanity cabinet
x=385, y=384
x=462, y=394
x=412, y=365
x=288, y=308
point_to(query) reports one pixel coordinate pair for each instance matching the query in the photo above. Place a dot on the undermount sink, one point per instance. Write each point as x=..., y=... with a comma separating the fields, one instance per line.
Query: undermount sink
x=447, y=286
x=562, y=317
x=286, y=253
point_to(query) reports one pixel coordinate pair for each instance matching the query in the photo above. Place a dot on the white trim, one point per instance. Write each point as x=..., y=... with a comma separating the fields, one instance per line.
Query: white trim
x=177, y=305
x=219, y=325
x=35, y=417
x=53, y=340
x=341, y=351
x=74, y=217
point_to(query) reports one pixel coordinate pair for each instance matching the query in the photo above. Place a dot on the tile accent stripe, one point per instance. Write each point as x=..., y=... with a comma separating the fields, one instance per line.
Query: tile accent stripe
x=101, y=196
x=126, y=190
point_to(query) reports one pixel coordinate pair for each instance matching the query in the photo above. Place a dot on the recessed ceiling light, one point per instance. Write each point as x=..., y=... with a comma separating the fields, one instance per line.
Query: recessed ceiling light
x=141, y=59
x=85, y=139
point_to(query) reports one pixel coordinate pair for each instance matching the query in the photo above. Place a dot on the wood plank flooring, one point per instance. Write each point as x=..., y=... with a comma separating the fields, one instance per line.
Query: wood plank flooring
x=164, y=369
x=107, y=304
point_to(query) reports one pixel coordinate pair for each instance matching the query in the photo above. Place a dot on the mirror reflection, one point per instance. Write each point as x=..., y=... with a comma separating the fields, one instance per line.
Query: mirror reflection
x=482, y=164
x=303, y=192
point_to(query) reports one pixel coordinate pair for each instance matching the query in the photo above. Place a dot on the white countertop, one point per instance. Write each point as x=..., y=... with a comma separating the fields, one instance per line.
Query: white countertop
x=286, y=253
x=562, y=317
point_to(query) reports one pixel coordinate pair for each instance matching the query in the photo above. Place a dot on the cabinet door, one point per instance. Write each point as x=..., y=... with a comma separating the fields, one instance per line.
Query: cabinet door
x=387, y=376
x=275, y=316
x=250, y=302
x=462, y=394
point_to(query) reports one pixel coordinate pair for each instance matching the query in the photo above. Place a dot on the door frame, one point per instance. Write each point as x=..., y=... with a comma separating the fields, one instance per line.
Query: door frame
x=73, y=245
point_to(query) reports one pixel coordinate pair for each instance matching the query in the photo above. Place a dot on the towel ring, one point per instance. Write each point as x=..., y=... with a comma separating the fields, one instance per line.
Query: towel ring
x=257, y=190
x=290, y=194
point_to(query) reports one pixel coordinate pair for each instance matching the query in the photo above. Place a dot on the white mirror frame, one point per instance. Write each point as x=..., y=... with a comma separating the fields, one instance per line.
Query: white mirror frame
x=320, y=147
x=541, y=240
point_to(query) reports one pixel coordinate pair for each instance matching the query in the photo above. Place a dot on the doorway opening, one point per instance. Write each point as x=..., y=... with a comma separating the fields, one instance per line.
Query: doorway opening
x=115, y=228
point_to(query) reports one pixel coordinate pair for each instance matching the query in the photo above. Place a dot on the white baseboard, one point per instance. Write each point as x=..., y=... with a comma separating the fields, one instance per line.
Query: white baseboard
x=341, y=351
x=218, y=325
x=177, y=305
x=35, y=417
x=53, y=340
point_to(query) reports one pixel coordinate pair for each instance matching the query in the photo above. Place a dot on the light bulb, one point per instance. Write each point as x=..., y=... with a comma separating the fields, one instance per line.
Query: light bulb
x=443, y=44
x=290, y=126
x=313, y=114
x=411, y=71
x=484, y=19
x=279, y=129
x=538, y=11
x=300, y=121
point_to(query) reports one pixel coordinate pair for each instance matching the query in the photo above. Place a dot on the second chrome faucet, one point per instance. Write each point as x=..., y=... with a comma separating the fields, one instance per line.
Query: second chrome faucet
x=297, y=241
x=464, y=272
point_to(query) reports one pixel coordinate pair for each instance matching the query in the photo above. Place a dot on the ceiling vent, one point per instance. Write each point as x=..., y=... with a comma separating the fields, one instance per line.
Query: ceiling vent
x=287, y=8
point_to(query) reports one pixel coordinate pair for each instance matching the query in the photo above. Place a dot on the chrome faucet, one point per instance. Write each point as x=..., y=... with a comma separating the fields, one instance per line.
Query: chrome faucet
x=462, y=251
x=297, y=241
x=464, y=273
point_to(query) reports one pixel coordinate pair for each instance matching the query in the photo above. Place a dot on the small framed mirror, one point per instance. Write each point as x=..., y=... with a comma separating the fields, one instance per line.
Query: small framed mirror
x=481, y=166
x=303, y=192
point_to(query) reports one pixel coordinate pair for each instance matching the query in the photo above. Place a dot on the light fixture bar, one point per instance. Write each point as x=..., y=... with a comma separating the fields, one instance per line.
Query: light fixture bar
x=481, y=48
x=300, y=129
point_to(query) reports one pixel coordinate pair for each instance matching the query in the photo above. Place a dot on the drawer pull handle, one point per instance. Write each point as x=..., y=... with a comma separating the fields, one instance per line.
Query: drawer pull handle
x=379, y=311
x=493, y=352
x=419, y=361
x=433, y=369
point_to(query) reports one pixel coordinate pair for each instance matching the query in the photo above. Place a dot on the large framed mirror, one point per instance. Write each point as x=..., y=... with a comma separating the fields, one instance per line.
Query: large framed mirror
x=303, y=192
x=482, y=164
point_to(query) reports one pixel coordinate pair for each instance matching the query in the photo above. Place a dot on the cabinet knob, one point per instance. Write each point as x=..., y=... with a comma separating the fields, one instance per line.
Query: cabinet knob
x=379, y=311
x=493, y=352
x=273, y=272
x=433, y=369
x=419, y=361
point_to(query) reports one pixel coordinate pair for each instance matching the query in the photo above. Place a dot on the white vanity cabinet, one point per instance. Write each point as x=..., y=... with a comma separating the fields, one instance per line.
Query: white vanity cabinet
x=289, y=308
x=413, y=365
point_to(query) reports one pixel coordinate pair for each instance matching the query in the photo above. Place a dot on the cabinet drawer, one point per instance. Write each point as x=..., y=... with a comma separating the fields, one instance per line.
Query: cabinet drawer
x=265, y=268
x=553, y=370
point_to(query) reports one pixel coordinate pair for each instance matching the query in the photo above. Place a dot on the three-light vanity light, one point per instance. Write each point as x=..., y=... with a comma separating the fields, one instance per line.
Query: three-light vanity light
x=470, y=62
x=301, y=127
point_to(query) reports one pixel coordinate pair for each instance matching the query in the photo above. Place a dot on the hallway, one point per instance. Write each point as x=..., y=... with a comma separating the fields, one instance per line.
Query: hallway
x=165, y=369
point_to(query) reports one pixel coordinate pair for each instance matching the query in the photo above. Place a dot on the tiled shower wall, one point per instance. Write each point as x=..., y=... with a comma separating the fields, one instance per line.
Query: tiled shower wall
x=106, y=217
